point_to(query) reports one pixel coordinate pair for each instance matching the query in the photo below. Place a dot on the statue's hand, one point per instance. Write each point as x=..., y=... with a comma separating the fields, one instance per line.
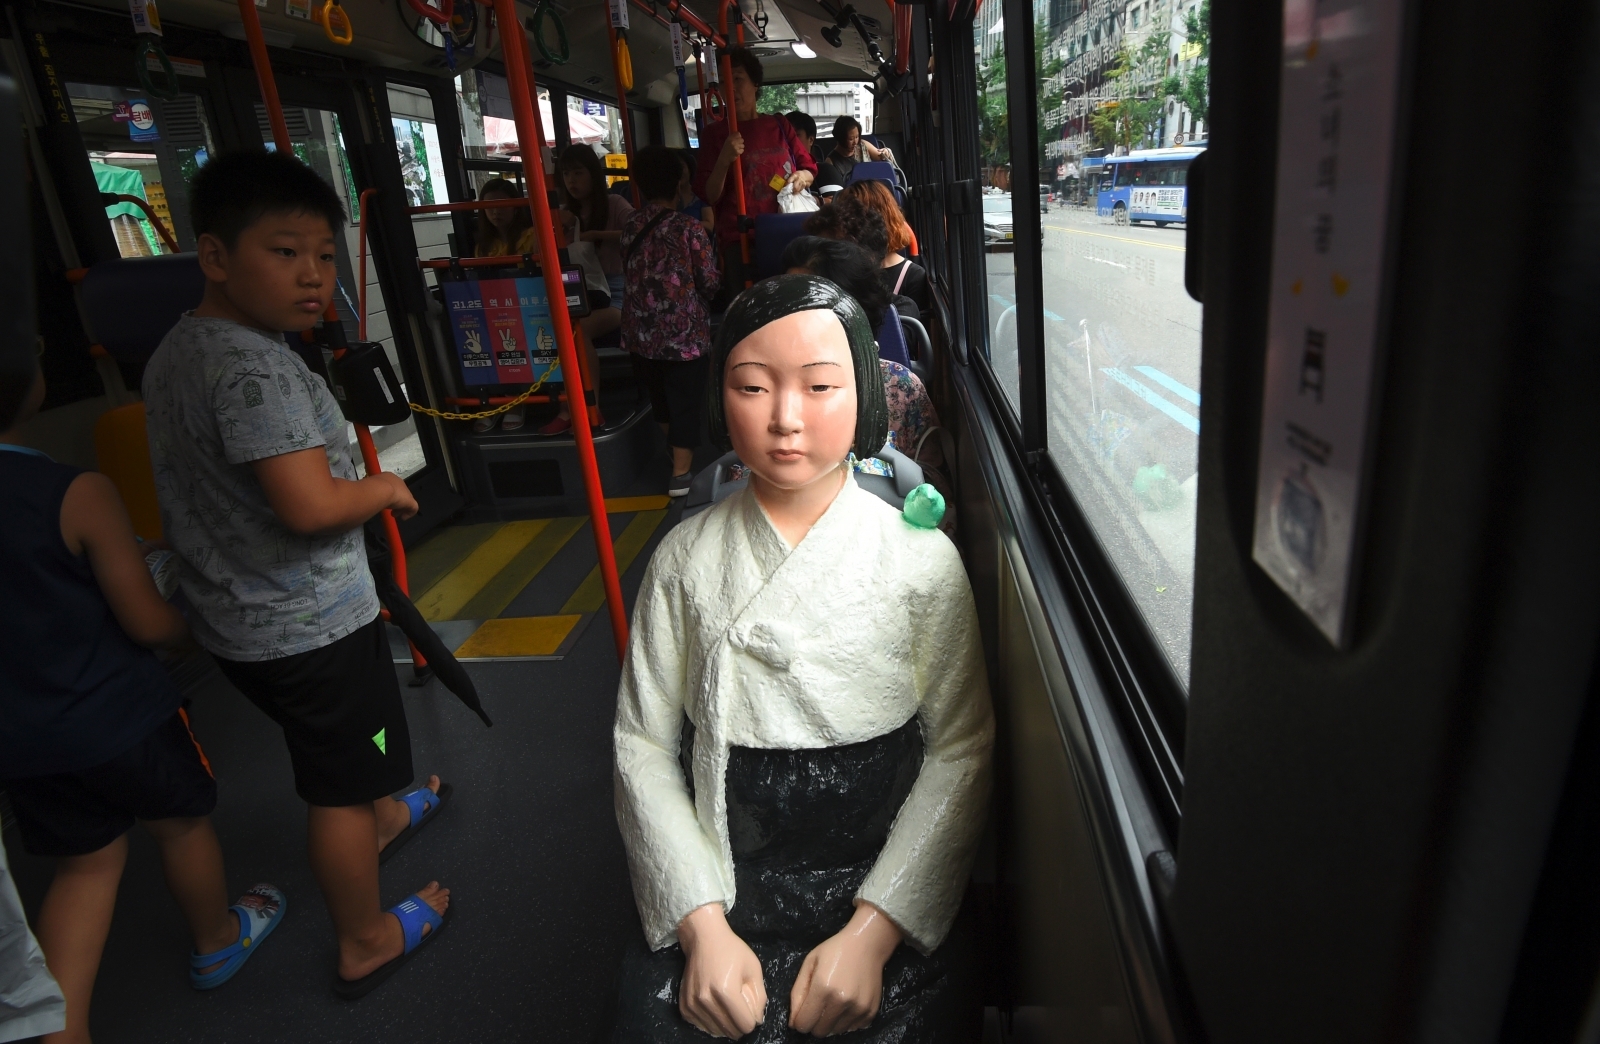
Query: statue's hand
x=841, y=982
x=722, y=992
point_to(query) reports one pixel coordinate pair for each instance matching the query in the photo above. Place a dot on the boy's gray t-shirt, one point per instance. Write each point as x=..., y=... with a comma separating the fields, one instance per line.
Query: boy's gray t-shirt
x=217, y=396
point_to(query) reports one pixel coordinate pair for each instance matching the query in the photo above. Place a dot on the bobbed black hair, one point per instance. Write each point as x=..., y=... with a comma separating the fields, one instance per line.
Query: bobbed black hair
x=742, y=58
x=843, y=125
x=658, y=170
x=802, y=123
x=783, y=295
x=844, y=263
x=236, y=189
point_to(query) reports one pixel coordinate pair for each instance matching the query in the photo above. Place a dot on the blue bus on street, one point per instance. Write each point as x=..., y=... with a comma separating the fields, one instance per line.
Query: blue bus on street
x=1146, y=185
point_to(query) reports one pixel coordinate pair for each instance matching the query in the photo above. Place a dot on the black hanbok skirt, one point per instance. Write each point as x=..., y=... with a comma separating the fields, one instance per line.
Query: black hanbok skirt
x=806, y=827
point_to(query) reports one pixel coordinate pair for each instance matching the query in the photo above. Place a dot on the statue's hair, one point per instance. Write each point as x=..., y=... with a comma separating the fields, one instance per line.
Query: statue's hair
x=772, y=299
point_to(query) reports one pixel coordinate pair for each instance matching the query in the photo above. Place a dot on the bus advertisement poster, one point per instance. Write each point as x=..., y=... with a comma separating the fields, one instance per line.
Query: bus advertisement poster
x=502, y=330
x=503, y=311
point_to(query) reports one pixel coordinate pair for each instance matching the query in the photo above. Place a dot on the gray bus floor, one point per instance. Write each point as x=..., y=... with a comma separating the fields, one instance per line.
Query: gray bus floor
x=528, y=846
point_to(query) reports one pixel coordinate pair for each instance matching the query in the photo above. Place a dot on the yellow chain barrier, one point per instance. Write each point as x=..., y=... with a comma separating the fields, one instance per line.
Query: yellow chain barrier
x=481, y=414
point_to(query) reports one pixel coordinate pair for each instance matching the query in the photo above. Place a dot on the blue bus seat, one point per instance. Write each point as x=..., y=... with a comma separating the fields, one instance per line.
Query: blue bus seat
x=892, y=339
x=883, y=172
x=132, y=302
x=919, y=346
x=774, y=232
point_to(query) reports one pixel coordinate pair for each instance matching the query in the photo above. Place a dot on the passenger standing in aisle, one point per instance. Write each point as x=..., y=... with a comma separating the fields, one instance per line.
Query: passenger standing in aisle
x=666, y=319
x=93, y=735
x=770, y=156
x=261, y=501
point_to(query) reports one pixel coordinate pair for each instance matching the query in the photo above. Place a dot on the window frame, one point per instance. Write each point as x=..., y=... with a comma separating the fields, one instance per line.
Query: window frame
x=1149, y=699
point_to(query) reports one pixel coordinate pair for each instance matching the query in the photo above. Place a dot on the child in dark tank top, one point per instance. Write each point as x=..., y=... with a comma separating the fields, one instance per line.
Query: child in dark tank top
x=92, y=732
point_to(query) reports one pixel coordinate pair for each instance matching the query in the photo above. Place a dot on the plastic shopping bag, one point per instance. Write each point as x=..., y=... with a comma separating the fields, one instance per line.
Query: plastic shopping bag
x=797, y=201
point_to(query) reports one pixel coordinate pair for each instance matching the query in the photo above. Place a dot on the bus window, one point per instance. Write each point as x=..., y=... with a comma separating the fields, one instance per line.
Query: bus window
x=144, y=146
x=318, y=140
x=1122, y=369
x=489, y=128
x=994, y=158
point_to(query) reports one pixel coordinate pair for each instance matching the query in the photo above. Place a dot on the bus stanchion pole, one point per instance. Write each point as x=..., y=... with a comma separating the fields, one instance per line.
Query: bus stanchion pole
x=515, y=55
x=733, y=128
x=263, y=64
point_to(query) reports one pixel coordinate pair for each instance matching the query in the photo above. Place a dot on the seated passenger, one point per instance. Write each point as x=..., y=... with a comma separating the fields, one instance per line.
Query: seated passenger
x=850, y=219
x=504, y=231
x=900, y=274
x=803, y=726
x=689, y=204
x=849, y=148
x=805, y=128
x=911, y=412
x=852, y=268
x=671, y=269
x=92, y=731
x=261, y=501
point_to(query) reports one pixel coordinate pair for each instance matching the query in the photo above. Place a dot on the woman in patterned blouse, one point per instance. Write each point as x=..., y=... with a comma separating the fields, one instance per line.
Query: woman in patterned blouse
x=670, y=267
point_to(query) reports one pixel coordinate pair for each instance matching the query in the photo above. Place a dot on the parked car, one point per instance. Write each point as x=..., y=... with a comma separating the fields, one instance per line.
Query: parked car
x=997, y=230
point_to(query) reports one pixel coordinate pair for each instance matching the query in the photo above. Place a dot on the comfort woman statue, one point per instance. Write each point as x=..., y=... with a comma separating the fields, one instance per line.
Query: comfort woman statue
x=803, y=727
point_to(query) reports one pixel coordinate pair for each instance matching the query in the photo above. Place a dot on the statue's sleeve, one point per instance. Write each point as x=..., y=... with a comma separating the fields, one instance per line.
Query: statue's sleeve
x=672, y=861
x=921, y=873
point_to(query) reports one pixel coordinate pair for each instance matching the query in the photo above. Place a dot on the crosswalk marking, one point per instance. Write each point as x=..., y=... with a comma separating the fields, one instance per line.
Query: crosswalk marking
x=1183, y=391
x=1148, y=394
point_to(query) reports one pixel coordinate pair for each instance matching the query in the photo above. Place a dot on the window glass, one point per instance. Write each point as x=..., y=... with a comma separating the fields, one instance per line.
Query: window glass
x=999, y=302
x=146, y=147
x=1122, y=337
x=318, y=140
x=489, y=128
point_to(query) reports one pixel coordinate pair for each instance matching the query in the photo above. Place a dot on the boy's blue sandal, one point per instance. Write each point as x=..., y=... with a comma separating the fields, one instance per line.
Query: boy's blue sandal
x=425, y=806
x=414, y=915
x=259, y=911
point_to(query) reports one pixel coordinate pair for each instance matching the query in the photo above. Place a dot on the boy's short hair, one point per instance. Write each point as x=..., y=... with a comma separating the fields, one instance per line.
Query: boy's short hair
x=743, y=59
x=802, y=123
x=843, y=125
x=16, y=382
x=237, y=189
x=659, y=171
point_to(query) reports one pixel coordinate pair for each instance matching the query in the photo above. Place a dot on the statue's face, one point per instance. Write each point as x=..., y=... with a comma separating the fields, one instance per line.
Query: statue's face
x=789, y=395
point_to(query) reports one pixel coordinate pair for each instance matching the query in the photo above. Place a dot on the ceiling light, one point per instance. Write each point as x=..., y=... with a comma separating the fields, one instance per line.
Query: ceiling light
x=802, y=50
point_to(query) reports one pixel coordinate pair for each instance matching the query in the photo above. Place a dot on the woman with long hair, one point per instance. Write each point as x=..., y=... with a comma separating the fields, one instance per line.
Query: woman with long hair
x=899, y=273
x=501, y=232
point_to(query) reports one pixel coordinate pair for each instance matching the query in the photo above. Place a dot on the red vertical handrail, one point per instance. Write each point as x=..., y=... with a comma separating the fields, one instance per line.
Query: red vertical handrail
x=733, y=128
x=263, y=64
x=622, y=105
x=902, y=38
x=520, y=80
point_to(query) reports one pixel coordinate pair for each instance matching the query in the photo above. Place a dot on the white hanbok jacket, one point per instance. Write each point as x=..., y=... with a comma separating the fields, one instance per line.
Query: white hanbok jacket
x=844, y=638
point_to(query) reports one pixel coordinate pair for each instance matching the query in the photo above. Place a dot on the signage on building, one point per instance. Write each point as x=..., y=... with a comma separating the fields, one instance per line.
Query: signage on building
x=142, y=121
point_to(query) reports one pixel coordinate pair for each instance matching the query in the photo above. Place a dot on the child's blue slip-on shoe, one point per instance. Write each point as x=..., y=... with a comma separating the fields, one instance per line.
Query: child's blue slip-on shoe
x=425, y=807
x=259, y=910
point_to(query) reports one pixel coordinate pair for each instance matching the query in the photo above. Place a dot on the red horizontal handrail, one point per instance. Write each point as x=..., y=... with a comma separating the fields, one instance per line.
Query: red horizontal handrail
x=477, y=262
x=471, y=204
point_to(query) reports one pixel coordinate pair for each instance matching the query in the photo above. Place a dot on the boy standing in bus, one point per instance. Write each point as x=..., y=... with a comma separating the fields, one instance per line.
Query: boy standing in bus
x=671, y=269
x=93, y=735
x=261, y=500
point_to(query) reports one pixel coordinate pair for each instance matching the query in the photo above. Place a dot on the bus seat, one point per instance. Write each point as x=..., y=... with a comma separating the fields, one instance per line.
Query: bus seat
x=130, y=304
x=774, y=232
x=892, y=339
x=727, y=476
x=883, y=172
x=122, y=454
x=919, y=346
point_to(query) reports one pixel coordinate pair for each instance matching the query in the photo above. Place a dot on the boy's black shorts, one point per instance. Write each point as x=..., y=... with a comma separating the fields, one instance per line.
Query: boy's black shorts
x=341, y=714
x=163, y=776
x=677, y=396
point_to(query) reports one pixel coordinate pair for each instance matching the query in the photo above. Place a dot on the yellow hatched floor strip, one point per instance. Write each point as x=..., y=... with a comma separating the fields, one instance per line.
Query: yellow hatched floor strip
x=518, y=636
x=503, y=588
x=445, y=599
x=591, y=594
x=623, y=505
x=442, y=552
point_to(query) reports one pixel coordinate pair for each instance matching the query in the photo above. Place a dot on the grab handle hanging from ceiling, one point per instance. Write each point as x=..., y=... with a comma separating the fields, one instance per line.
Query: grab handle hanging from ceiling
x=622, y=67
x=335, y=22
x=147, y=27
x=545, y=11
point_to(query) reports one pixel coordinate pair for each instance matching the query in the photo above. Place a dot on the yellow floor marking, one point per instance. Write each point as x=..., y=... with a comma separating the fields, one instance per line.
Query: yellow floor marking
x=518, y=636
x=1119, y=239
x=445, y=598
x=591, y=594
x=624, y=505
x=504, y=587
x=443, y=551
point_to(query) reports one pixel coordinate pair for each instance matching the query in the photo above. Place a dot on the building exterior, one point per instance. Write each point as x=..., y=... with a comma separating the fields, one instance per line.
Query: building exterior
x=826, y=102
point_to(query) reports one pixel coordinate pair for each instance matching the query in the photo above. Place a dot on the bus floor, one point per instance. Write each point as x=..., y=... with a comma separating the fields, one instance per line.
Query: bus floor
x=528, y=846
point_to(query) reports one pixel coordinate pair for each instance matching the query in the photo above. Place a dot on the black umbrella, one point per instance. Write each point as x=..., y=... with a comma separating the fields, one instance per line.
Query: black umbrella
x=404, y=615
